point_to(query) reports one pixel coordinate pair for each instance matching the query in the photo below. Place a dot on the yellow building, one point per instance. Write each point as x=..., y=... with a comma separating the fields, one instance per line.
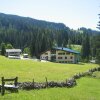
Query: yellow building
x=61, y=55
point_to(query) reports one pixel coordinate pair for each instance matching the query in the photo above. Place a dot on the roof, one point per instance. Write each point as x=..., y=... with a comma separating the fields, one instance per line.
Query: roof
x=13, y=50
x=25, y=54
x=66, y=49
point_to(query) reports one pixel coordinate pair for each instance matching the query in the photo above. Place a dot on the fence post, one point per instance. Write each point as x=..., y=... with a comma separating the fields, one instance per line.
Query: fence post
x=46, y=82
x=16, y=81
x=66, y=82
x=3, y=89
x=33, y=83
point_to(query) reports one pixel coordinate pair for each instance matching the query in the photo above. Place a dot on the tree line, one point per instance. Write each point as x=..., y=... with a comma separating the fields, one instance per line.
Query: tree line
x=35, y=36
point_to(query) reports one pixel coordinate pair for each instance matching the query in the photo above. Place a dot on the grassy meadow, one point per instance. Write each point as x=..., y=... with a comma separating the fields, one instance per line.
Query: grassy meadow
x=87, y=88
x=76, y=47
x=26, y=70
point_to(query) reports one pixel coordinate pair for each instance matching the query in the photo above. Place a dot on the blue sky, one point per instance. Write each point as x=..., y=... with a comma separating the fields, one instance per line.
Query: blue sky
x=73, y=13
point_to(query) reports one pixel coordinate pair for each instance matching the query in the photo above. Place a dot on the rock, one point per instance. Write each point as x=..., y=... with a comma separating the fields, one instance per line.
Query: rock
x=71, y=82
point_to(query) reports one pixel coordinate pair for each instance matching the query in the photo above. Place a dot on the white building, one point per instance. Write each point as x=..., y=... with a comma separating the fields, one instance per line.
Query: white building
x=13, y=53
x=61, y=55
x=25, y=55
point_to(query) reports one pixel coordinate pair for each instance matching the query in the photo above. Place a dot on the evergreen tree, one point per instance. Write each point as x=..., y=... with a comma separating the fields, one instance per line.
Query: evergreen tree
x=3, y=50
x=69, y=44
x=98, y=56
x=85, y=52
x=39, y=35
x=98, y=23
x=97, y=45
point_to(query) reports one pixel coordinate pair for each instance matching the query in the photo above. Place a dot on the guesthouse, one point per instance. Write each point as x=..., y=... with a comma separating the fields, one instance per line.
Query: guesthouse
x=60, y=55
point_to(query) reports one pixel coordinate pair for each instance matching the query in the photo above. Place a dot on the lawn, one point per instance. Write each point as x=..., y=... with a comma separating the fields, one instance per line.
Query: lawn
x=26, y=70
x=87, y=88
x=76, y=47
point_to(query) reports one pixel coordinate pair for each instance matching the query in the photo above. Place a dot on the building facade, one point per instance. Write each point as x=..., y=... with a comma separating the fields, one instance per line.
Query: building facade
x=60, y=55
x=13, y=53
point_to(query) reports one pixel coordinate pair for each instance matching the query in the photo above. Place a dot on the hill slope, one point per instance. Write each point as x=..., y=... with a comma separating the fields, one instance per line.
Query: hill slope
x=22, y=31
x=38, y=35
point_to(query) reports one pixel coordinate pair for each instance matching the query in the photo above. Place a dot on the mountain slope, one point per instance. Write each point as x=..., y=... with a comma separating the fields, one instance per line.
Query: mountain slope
x=24, y=32
x=39, y=35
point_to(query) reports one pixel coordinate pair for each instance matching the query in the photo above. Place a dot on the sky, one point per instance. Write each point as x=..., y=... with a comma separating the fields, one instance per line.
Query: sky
x=73, y=13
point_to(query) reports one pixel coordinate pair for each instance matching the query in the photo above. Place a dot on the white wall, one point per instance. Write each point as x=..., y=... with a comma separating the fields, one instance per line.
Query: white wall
x=13, y=53
x=63, y=60
x=63, y=57
x=46, y=54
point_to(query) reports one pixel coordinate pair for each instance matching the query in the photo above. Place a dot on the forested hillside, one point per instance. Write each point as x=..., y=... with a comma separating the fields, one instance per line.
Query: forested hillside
x=38, y=35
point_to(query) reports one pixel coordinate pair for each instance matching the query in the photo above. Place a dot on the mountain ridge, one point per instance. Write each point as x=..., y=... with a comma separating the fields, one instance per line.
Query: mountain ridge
x=32, y=20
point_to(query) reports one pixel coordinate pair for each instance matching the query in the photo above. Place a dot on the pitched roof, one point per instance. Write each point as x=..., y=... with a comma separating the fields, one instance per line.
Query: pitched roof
x=13, y=50
x=67, y=49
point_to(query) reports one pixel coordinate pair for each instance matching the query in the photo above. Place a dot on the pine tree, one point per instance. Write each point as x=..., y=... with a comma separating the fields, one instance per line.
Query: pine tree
x=3, y=50
x=98, y=26
x=69, y=44
x=85, y=51
x=98, y=56
x=97, y=45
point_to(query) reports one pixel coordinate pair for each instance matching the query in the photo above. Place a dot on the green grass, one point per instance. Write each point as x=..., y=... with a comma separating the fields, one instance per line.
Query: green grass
x=96, y=74
x=26, y=70
x=87, y=89
x=76, y=47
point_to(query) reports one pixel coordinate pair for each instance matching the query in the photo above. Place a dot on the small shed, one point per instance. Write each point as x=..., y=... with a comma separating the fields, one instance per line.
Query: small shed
x=25, y=55
x=13, y=53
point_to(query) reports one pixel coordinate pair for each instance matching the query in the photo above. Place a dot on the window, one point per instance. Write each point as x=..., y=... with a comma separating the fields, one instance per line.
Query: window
x=46, y=57
x=61, y=53
x=53, y=51
x=65, y=57
x=71, y=57
x=67, y=53
x=59, y=57
x=62, y=62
